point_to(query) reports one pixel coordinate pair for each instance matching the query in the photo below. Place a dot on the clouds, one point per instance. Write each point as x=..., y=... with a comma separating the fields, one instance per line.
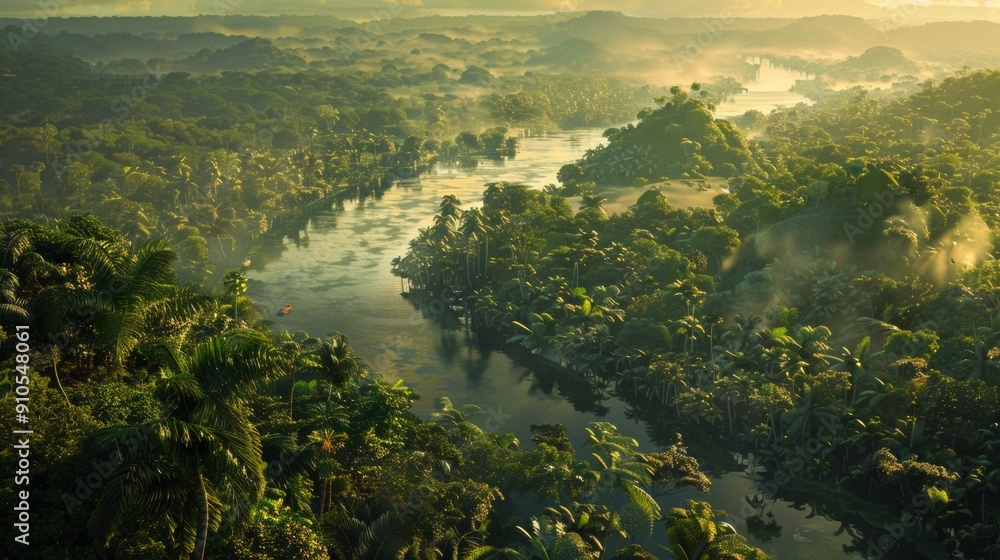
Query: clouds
x=649, y=8
x=707, y=8
x=36, y=9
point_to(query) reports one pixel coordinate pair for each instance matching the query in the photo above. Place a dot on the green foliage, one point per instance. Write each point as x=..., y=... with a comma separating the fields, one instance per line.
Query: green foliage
x=272, y=532
x=696, y=532
x=840, y=292
x=477, y=75
x=681, y=138
x=553, y=435
x=203, y=448
x=912, y=344
x=115, y=403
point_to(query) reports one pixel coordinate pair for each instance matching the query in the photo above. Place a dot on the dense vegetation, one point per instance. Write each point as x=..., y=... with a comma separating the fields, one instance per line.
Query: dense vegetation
x=212, y=162
x=680, y=138
x=166, y=425
x=833, y=317
x=168, y=421
x=829, y=324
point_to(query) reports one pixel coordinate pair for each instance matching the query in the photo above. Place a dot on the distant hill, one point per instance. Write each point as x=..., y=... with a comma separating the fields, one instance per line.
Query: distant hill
x=880, y=58
x=681, y=138
x=170, y=27
x=574, y=53
x=252, y=54
x=614, y=29
x=938, y=41
x=113, y=46
x=689, y=25
x=831, y=33
x=658, y=51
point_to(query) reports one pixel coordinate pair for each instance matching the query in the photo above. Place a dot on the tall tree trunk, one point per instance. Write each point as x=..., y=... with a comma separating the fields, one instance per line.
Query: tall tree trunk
x=729, y=411
x=468, y=271
x=291, y=398
x=55, y=371
x=202, y=539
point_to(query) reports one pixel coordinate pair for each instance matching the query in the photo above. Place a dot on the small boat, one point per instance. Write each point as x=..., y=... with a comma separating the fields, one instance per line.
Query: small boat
x=285, y=310
x=246, y=263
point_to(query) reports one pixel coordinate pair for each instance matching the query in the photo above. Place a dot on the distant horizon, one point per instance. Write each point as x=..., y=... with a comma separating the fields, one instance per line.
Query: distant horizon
x=897, y=13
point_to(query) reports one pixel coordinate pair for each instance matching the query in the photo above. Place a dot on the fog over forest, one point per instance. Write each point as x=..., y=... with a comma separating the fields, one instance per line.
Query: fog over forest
x=559, y=279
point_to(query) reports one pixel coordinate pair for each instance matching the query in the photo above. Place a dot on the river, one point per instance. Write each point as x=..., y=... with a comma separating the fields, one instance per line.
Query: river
x=336, y=274
x=770, y=89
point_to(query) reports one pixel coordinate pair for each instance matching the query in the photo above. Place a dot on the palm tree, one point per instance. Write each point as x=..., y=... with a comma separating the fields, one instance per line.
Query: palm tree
x=811, y=343
x=131, y=297
x=236, y=286
x=201, y=459
x=451, y=417
x=289, y=467
x=590, y=521
x=450, y=208
x=327, y=442
x=673, y=469
x=725, y=387
x=473, y=228
x=12, y=307
x=337, y=361
x=910, y=438
x=698, y=403
x=297, y=361
x=810, y=413
x=691, y=329
x=739, y=335
x=690, y=293
x=382, y=538
x=697, y=533
x=855, y=364
x=549, y=540
x=619, y=467
x=665, y=377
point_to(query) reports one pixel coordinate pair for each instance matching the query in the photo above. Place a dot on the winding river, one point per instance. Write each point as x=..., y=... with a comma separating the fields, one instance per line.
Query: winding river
x=336, y=274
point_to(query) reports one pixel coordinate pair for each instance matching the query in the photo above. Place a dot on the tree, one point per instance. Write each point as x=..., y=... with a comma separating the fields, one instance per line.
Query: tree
x=12, y=306
x=719, y=241
x=473, y=228
x=277, y=533
x=236, y=286
x=131, y=296
x=201, y=459
x=912, y=344
x=619, y=466
x=328, y=114
x=143, y=294
x=477, y=75
x=336, y=360
x=697, y=533
x=672, y=470
x=549, y=540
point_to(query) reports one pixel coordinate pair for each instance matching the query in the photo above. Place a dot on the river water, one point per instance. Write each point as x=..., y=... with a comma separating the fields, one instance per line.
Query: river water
x=768, y=91
x=336, y=274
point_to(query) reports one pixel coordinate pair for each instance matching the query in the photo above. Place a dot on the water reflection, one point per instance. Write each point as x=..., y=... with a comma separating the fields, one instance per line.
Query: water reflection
x=770, y=89
x=335, y=271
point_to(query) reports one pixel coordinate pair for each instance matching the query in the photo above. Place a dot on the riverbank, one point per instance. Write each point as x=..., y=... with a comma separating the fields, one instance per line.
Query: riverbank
x=338, y=277
x=246, y=248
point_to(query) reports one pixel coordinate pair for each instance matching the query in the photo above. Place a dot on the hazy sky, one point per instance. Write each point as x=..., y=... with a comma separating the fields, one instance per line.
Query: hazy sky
x=901, y=11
